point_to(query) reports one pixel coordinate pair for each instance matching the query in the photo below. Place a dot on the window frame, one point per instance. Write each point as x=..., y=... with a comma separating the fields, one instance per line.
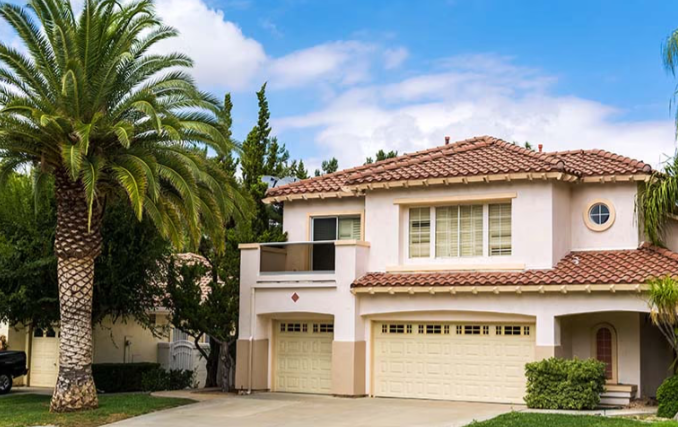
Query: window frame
x=336, y=217
x=599, y=227
x=433, y=253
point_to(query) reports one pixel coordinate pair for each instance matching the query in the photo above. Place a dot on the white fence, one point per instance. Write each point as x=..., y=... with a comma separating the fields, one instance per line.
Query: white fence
x=183, y=355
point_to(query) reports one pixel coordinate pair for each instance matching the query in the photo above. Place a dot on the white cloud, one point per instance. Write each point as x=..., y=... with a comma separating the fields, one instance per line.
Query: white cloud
x=393, y=58
x=470, y=98
x=224, y=56
x=342, y=62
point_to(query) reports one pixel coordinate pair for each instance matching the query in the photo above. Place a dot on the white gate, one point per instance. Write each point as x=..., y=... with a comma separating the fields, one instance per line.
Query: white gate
x=181, y=355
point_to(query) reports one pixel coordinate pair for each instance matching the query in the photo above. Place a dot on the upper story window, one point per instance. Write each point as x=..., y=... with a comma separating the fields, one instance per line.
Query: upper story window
x=500, y=229
x=336, y=228
x=458, y=231
x=420, y=232
x=599, y=215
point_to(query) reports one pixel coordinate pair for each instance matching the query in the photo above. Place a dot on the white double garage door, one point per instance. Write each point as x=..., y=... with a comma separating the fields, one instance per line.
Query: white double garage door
x=446, y=361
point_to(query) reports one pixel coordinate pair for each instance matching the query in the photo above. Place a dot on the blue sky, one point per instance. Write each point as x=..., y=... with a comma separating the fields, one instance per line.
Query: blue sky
x=347, y=78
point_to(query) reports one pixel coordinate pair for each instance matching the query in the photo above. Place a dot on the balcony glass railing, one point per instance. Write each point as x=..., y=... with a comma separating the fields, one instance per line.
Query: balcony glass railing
x=288, y=257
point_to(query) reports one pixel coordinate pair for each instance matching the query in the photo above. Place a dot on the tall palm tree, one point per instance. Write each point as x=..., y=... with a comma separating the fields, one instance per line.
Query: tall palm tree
x=88, y=103
x=658, y=200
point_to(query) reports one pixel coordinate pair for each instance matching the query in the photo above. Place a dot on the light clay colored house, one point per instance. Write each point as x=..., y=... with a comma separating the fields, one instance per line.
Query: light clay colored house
x=440, y=274
x=113, y=342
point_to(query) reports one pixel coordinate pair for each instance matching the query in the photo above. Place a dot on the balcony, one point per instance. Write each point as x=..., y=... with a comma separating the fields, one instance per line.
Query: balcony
x=302, y=261
x=297, y=257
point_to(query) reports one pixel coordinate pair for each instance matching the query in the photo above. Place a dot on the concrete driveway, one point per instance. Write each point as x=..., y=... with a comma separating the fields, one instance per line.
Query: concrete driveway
x=293, y=410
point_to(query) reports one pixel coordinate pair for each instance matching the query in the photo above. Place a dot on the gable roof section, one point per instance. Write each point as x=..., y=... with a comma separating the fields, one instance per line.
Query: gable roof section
x=618, y=267
x=476, y=157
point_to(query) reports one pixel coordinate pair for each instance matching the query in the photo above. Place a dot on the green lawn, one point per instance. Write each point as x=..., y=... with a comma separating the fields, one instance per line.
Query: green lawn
x=30, y=410
x=516, y=419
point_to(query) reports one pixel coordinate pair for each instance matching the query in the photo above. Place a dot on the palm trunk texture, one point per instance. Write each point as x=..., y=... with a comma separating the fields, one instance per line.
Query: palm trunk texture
x=76, y=248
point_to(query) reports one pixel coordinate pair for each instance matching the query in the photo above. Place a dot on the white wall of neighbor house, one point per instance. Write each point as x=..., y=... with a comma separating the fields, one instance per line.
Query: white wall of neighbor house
x=624, y=232
x=142, y=346
x=4, y=329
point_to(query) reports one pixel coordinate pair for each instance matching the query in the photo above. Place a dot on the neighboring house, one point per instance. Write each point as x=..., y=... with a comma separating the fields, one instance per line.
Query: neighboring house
x=440, y=274
x=113, y=342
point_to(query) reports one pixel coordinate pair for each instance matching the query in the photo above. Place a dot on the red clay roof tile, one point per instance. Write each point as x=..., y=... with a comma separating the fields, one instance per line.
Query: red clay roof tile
x=634, y=266
x=483, y=155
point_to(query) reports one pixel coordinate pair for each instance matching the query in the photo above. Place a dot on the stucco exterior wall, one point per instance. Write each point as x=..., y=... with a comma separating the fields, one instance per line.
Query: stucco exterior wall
x=109, y=341
x=671, y=234
x=656, y=357
x=623, y=234
x=562, y=224
x=296, y=214
x=4, y=329
x=579, y=330
x=387, y=224
x=547, y=220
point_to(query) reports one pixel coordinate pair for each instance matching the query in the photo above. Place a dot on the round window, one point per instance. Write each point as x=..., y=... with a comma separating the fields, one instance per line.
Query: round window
x=599, y=213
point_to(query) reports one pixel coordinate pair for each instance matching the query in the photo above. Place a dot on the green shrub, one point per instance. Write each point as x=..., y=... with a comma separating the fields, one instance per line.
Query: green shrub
x=667, y=397
x=120, y=377
x=160, y=379
x=564, y=383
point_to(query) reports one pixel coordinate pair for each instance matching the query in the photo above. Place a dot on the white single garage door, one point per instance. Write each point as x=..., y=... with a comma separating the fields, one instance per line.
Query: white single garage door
x=303, y=356
x=44, y=358
x=448, y=361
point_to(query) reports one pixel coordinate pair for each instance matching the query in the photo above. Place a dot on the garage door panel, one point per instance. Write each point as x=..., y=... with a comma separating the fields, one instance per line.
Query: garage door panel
x=487, y=366
x=303, y=357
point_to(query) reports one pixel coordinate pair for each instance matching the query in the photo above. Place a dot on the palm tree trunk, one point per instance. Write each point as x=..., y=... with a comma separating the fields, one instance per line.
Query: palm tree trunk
x=76, y=248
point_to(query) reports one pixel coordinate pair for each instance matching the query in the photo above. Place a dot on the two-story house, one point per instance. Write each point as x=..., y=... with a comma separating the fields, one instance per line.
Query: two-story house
x=440, y=274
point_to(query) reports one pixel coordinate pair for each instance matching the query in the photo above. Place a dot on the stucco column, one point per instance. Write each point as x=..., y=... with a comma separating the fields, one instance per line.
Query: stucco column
x=548, y=337
x=349, y=347
x=251, y=350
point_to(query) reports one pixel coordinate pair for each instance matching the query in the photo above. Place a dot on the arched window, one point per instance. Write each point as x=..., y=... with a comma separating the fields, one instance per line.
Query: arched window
x=605, y=349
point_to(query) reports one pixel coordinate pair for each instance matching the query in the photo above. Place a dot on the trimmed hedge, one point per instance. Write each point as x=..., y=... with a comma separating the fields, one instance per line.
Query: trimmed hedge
x=160, y=379
x=564, y=383
x=121, y=377
x=667, y=397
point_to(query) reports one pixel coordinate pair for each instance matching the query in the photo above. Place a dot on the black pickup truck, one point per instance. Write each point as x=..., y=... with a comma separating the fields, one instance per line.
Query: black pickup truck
x=12, y=365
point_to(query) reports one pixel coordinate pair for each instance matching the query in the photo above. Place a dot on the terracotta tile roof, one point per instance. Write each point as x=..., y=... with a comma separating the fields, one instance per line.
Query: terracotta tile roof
x=483, y=155
x=190, y=259
x=633, y=266
x=601, y=162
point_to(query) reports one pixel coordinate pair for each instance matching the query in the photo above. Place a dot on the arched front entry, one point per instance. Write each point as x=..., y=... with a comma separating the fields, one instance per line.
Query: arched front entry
x=604, y=349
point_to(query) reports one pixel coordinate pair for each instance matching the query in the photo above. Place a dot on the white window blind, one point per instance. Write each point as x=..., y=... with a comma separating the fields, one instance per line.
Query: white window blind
x=447, y=232
x=500, y=229
x=471, y=230
x=420, y=232
x=349, y=228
